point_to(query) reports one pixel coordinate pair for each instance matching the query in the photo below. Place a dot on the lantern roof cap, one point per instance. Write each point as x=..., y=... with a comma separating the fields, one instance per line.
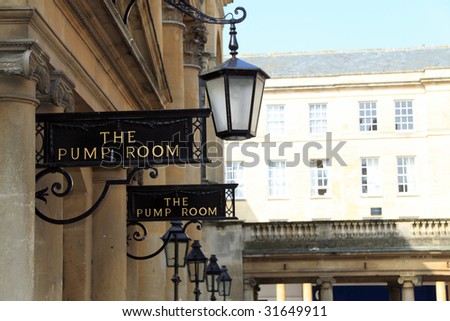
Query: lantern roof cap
x=233, y=64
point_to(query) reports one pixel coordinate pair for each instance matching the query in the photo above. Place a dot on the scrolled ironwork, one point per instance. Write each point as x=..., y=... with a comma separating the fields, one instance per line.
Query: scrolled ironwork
x=139, y=238
x=196, y=14
x=140, y=234
x=57, y=187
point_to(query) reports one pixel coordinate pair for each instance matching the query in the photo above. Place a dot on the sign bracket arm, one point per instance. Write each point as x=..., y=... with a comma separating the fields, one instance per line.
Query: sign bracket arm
x=58, y=190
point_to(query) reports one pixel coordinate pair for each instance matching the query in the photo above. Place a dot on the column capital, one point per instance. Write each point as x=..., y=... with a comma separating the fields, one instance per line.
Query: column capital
x=27, y=59
x=325, y=279
x=195, y=38
x=413, y=279
x=251, y=282
x=60, y=93
x=172, y=15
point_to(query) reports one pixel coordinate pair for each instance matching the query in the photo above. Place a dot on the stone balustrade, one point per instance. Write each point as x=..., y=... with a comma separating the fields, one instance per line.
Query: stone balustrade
x=341, y=235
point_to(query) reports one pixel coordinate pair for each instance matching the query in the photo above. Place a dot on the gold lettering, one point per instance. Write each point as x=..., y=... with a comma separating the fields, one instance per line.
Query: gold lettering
x=92, y=154
x=61, y=152
x=131, y=136
x=161, y=151
x=167, y=200
x=157, y=212
x=145, y=149
x=168, y=211
x=172, y=152
x=118, y=137
x=130, y=151
x=76, y=155
x=105, y=151
x=104, y=136
x=139, y=212
x=202, y=211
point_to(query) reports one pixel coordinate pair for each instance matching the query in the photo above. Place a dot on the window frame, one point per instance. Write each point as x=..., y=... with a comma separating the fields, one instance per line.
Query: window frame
x=273, y=176
x=319, y=178
x=316, y=113
x=404, y=115
x=368, y=121
x=406, y=175
x=276, y=121
x=370, y=176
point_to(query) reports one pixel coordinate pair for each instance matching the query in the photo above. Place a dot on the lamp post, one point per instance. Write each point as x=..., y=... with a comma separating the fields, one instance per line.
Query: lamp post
x=224, y=283
x=196, y=261
x=212, y=276
x=175, y=250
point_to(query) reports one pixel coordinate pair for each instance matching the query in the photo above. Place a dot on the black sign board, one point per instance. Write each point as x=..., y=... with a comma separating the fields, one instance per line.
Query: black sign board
x=181, y=202
x=121, y=139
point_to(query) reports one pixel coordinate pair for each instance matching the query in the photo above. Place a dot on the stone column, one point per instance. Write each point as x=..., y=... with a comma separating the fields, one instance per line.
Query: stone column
x=307, y=292
x=408, y=283
x=23, y=73
x=326, y=288
x=249, y=289
x=152, y=273
x=194, y=46
x=173, y=56
x=281, y=292
x=173, y=53
x=77, y=258
x=109, y=246
x=441, y=291
x=49, y=237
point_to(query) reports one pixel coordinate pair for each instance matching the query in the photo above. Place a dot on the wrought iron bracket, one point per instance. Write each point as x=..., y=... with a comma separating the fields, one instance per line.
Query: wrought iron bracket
x=196, y=14
x=58, y=190
x=193, y=12
x=141, y=233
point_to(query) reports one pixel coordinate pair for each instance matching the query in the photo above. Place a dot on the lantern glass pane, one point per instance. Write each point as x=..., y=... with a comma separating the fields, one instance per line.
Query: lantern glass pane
x=241, y=90
x=170, y=254
x=212, y=282
x=257, y=104
x=224, y=288
x=216, y=95
x=170, y=251
x=182, y=253
x=196, y=271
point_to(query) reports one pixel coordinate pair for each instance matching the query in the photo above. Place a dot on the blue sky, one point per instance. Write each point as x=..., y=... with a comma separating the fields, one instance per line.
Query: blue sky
x=318, y=25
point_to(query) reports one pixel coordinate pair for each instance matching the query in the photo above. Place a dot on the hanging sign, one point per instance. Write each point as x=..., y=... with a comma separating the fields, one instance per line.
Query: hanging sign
x=121, y=139
x=181, y=202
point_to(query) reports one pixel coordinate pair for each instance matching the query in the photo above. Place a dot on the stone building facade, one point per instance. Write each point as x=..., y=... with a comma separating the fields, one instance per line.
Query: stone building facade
x=65, y=56
x=349, y=191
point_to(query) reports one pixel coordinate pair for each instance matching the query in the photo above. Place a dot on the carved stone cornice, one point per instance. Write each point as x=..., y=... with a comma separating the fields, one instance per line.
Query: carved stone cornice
x=26, y=59
x=194, y=44
x=61, y=92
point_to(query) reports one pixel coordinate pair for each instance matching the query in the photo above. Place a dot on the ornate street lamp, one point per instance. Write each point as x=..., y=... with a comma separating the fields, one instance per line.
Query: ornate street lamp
x=224, y=283
x=235, y=89
x=212, y=276
x=176, y=246
x=196, y=261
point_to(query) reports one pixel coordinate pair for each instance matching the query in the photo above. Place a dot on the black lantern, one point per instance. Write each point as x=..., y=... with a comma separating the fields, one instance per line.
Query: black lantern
x=176, y=246
x=235, y=90
x=224, y=283
x=212, y=276
x=196, y=262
